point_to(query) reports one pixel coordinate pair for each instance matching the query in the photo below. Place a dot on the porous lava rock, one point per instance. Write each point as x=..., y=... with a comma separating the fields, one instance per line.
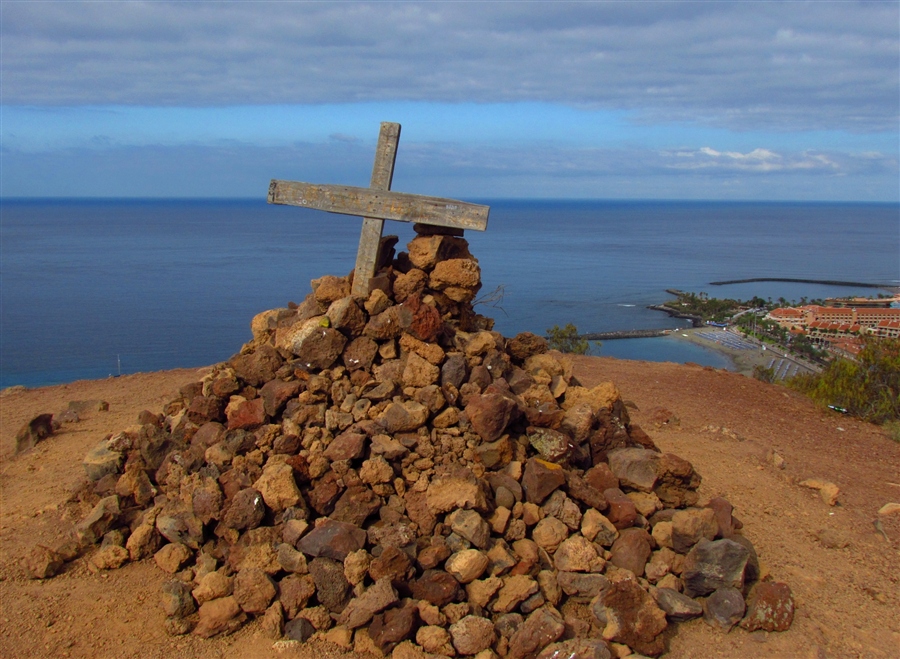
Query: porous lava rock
x=391, y=465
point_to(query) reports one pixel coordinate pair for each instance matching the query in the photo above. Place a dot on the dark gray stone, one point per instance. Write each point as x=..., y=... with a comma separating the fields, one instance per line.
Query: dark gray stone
x=713, y=564
x=724, y=608
x=332, y=587
x=678, y=607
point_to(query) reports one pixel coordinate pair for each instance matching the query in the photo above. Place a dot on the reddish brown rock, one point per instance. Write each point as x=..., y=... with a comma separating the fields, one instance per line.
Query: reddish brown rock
x=389, y=324
x=349, y=445
x=393, y=564
x=434, y=553
x=631, y=550
x=332, y=539
x=362, y=609
x=489, y=414
x=636, y=468
x=246, y=511
x=770, y=607
x=541, y=478
x=320, y=347
x=257, y=367
x=276, y=393
x=208, y=434
x=405, y=416
x=247, y=414
x=600, y=476
x=677, y=483
x=525, y=344
x=346, y=317
x=360, y=353
x=355, y=505
x=329, y=288
x=691, y=525
x=253, y=590
x=425, y=250
x=631, y=616
x=456, y=488
x=436, y=587
x=426, y=323
x=622, y=511
x=472, y=634
x=725, y=520
x=580, y=490
x=219, y=616
x=393, y=626
x=205, y=408
x=540, y=629
x=324, y=493
x=409, y=283
x=42, y=562
x=295, y=592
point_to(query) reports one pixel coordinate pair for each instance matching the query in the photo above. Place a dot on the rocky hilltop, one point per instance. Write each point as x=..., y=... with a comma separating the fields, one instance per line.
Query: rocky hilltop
x=392, y=475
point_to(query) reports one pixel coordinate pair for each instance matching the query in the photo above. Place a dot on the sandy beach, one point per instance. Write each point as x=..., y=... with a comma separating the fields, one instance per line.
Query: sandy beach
x=744, y=360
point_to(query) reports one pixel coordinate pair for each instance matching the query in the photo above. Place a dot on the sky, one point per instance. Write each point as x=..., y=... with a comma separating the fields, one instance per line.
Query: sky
x=750, y=100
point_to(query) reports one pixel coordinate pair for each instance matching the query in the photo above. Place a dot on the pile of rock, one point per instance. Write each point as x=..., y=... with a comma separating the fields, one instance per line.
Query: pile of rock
x=391, y=474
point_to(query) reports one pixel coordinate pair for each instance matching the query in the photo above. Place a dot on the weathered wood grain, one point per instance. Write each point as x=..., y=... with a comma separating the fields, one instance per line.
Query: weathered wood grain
x=384, y=205
x=376, y=204
x=370, y=236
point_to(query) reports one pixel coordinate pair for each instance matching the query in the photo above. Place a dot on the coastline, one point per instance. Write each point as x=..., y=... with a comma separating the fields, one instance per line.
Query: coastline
x=744, y=360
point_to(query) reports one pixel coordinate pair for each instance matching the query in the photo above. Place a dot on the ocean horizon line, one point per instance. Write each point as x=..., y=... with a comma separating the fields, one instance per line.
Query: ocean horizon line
x=611, y=200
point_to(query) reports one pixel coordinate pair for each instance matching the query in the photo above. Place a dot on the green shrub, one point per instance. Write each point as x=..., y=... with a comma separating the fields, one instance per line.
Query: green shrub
x=764, y=373
x=566, y=339
x=893, y=430
x=868, y=387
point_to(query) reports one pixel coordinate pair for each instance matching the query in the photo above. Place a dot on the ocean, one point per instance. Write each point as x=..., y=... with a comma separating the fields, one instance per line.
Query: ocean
x=93, y=288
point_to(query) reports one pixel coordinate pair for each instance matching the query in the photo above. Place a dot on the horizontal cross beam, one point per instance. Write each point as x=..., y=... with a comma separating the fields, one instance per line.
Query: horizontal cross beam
x=380, y=204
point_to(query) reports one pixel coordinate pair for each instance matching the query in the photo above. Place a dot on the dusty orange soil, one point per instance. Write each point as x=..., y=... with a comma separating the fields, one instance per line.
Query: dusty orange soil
x=846, y=582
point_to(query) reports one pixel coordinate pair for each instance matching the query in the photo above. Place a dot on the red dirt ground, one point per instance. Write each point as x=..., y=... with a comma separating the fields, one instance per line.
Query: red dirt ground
x=726, y=424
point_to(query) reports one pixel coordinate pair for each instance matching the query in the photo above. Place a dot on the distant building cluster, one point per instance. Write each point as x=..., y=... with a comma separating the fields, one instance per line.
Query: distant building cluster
x=839, y=328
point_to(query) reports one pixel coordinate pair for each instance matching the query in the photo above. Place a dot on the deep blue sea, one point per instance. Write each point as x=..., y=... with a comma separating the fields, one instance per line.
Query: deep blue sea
x=89, y=288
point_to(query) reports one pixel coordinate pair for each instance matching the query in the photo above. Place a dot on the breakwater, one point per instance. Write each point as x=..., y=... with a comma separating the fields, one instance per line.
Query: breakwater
x=825, y=282
x=696, y=321
x=624, y=334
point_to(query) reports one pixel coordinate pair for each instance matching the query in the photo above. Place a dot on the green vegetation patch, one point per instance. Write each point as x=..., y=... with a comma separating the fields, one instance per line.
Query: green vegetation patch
x=868, y=388
x=706, y=308
x=566, y=339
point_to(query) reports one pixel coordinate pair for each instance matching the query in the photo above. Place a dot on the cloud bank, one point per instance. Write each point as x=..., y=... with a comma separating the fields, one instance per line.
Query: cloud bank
x=741, y=65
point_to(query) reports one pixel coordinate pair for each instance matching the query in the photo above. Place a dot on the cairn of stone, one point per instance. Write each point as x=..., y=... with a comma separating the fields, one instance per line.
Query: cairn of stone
x=392, y=475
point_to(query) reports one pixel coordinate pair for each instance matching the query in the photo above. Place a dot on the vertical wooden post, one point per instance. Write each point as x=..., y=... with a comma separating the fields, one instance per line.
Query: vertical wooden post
x=370, y=238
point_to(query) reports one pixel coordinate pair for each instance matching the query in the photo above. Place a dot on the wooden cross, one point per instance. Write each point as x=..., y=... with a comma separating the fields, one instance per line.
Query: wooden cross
x=376, y=204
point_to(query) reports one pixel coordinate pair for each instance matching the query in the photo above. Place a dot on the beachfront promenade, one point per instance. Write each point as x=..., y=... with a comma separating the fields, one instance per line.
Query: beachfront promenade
x=748, y=352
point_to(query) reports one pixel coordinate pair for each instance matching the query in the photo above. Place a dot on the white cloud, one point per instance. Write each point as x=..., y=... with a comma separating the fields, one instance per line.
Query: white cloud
x=759, y=160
